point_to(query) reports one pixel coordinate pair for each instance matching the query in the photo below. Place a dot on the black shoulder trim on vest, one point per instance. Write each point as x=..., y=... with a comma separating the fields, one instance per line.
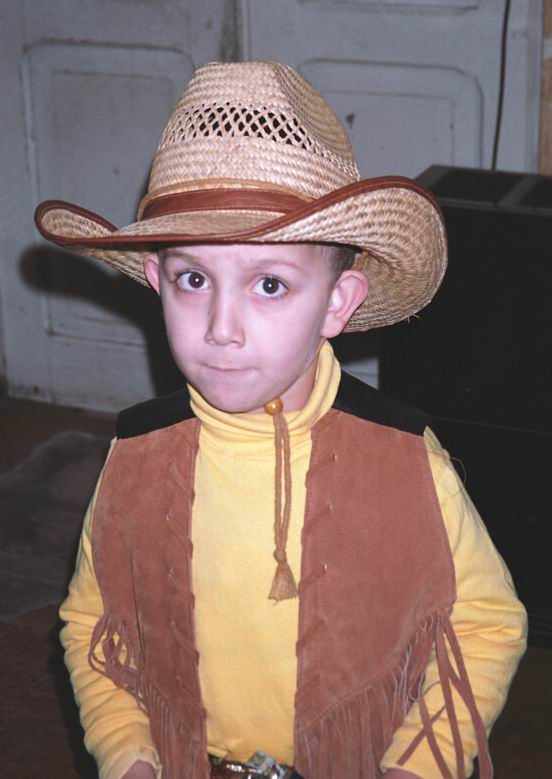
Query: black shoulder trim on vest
x=154, y=414
x=357, y=398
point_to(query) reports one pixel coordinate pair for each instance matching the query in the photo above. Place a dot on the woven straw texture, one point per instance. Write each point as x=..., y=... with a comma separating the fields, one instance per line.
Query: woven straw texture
x=254, y=121
x=260, y=125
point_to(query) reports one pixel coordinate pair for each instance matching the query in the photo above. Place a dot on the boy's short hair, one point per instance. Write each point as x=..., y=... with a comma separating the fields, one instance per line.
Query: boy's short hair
x=342, y=258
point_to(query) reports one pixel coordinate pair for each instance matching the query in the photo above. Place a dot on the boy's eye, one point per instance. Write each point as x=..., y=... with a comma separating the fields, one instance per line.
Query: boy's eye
x=270, y=287
x=192, y=280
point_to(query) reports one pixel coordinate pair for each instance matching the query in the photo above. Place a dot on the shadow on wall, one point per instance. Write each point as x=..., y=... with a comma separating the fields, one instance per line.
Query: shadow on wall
x=112, y=296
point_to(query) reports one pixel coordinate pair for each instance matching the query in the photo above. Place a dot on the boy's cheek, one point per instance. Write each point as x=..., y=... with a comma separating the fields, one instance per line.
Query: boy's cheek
x=177, y=315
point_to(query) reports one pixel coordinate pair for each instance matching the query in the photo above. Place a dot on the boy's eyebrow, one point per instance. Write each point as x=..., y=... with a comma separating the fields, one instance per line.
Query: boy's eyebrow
x=261, y=263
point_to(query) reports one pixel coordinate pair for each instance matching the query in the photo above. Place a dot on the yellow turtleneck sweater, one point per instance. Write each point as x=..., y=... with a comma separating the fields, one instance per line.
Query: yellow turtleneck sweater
x=249, y=694
x=246, y=641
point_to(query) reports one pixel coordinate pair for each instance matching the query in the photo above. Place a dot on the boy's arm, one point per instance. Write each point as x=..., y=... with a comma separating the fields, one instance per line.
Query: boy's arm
x=489, y=622
x=117, y=732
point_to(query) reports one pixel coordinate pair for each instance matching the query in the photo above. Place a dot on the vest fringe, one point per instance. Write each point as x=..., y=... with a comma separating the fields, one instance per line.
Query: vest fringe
x=329, y=748
x=351, y=738
x=182, y=753
x=119, y=660
x=458, y=678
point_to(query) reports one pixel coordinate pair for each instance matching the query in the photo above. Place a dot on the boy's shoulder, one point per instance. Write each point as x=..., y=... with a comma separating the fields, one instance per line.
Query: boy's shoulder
x=154, y=414
x=361, y=400
x=353, y=397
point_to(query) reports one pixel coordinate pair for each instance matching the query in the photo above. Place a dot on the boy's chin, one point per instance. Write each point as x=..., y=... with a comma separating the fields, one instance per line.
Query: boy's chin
x=236, y=405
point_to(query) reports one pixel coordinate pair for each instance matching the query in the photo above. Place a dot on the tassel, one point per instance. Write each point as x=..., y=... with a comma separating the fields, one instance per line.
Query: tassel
x=283, y=584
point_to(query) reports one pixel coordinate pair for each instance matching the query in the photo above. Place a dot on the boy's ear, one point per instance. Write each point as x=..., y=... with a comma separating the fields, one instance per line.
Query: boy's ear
x=151, y=270
x=349, y=291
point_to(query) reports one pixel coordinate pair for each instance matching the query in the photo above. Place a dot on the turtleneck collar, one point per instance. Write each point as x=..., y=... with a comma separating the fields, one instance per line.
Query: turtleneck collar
x=248, y=431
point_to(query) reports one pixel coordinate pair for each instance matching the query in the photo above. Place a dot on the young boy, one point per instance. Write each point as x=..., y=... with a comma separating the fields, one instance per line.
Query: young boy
x=279, y=559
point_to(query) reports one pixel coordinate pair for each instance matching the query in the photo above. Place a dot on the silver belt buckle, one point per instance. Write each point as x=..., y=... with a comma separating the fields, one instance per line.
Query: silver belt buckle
x=266, y=766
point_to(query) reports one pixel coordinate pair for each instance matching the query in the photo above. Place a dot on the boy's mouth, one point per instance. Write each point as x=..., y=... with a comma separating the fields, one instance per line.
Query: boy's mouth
x=223, y=369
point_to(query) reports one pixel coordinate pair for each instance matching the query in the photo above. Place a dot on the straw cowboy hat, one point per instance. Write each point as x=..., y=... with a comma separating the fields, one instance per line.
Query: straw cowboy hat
x=252, y=153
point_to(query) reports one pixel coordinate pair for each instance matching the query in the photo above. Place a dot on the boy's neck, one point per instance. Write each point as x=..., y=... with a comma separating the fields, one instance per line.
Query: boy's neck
x=297, y=396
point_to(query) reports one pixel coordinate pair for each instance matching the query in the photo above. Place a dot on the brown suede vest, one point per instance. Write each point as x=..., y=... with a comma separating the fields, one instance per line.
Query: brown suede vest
x=376, y=590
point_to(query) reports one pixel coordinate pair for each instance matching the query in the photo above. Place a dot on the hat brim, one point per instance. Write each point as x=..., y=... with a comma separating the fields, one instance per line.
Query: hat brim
x=396, y=225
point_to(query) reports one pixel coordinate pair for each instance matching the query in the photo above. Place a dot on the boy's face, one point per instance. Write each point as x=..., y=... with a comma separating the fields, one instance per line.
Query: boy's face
x=244, y=321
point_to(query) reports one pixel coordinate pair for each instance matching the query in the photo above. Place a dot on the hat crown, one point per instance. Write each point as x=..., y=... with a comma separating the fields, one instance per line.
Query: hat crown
x=257, y=122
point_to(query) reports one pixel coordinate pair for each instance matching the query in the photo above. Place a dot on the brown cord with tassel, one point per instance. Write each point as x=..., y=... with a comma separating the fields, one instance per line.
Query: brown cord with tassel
x=283, y=584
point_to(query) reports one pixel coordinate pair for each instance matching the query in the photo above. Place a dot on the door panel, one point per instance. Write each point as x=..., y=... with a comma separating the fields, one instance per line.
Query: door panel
x=400, y=118
x=74, y=88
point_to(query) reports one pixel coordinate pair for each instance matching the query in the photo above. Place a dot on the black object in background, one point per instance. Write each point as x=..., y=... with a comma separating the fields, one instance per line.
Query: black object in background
x=479, y=360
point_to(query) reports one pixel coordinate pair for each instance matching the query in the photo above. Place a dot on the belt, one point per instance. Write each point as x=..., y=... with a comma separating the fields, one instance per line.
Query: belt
x=259, y=766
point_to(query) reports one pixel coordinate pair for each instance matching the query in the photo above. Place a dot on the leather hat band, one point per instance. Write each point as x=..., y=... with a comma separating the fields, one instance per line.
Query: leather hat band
x=223, y=199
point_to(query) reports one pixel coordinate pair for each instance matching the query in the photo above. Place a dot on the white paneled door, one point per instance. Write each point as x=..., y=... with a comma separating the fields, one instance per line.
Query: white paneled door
x=87, y=88
x=89, y=84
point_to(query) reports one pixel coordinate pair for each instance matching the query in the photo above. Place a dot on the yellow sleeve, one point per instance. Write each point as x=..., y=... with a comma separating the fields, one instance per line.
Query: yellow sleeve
x=488, y=619
x=117, y=732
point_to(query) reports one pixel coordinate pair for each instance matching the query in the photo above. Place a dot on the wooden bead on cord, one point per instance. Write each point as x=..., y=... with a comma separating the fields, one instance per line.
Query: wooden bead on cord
x=273, y=407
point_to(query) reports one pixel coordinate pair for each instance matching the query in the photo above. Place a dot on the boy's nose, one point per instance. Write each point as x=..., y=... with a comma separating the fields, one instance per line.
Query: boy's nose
x=224, y=326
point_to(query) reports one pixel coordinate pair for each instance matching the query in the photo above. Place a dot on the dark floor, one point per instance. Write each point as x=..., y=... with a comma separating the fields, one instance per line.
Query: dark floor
x=49, y=460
